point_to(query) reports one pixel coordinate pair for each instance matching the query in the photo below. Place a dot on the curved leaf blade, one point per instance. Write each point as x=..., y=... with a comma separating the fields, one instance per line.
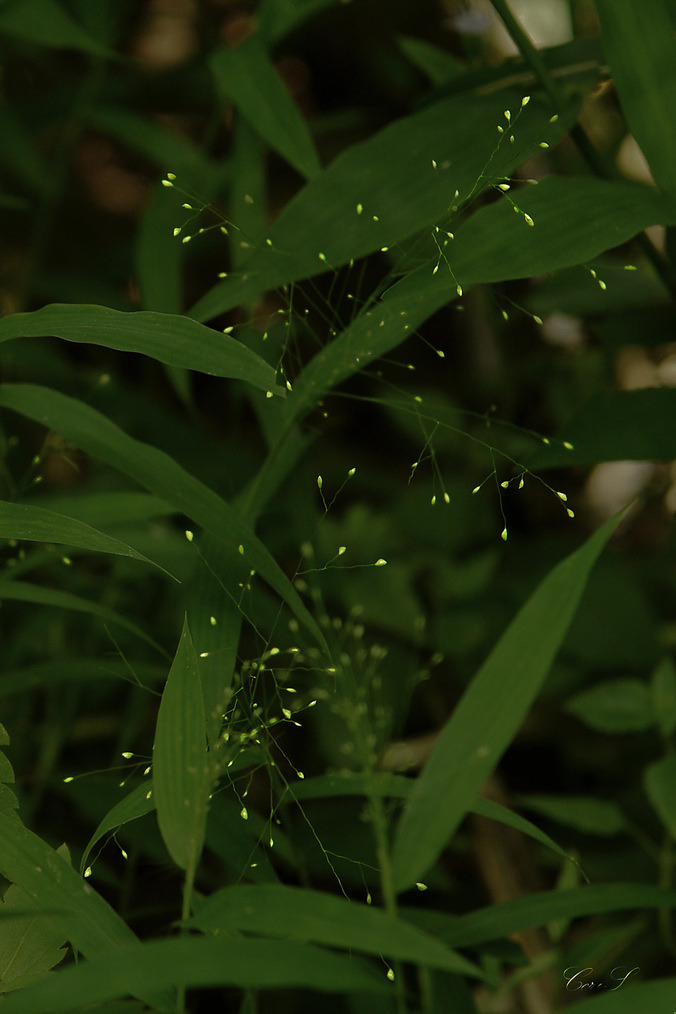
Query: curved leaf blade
x=489, y=714
x=181, y=769
x=640, y=45
x=199, y=962
x=170, y=338
x=159, y=474
x=324, y=919
x=36, y=524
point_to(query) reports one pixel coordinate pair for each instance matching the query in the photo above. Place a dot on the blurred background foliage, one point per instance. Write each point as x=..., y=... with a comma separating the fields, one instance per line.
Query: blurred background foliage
x=98, y=100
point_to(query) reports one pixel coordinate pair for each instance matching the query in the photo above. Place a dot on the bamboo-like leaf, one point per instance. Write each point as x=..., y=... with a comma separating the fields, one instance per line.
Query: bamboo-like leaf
x=137, y=803
x=170, y=338
x=246, y=76
x=489, y=714
x=496, y=921
x=574, y=220
x=324, y=919
x=199, y=962
x=182, y=775
x=36, y=524
x=639, y=41
x=634, y=996
x=388, y=188
x=30, y=945
x=47, y=23
x=24, y=591
x=158, y=473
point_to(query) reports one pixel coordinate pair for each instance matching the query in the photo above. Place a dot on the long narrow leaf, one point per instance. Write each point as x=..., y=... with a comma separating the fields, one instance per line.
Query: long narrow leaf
x=387, y=189
x=158, y=473
x=496, y=921
x=489, y=714
x=181, y=771
x=170, y=338
x=245, y=75
x=639, y=40
x=199, y=962
x=137, y=803
x=324, y=919
x=36, y=524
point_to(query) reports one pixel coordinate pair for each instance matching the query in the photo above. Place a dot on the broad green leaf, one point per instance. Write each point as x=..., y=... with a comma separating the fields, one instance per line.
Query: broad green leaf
x=323, y=919
x=89, y=922
x=660, y=785
x=616, y=426
x=36, y=524
x=102, y=510
x=663, y=695
x=639, y=41
x=200, y=962
x=136, y=804
x=24, y=591
x=245, y=75
x=386, y=189
x=158, y=473
x=496, y=921
x=30, y=945
x=657, y=996
x=620, y=705
x=47, y=23
x=171, y=338
x=593, y=816
x=489, y=714
x=575, y=219
x=182, y=774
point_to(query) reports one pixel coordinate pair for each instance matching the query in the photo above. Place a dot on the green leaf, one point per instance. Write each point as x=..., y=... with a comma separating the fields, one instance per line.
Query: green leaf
x=159, y=254
x=593, y=816
x=645, y=996
x=46, y=23
x=616, y=426
x=660, y=785
x=8, y=801
x=663, y=693
x=639, y=43
x=30, y=945
x=324, y=919
x=246, y=76
x=392, y=178
x=24, y=591
x=36, y=524
x=199, y=962
x=438, y=64
x=170, y=338
x=51, y=883
x=182, y=773
x=489, y=714
x=496, y=921
x=621, y=705
x=136, y=804
x=158, y=473
x=276, y=18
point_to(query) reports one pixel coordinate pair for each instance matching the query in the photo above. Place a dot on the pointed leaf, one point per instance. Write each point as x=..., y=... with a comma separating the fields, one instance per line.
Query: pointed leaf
x=158, y=473
x=639, y=41
x=489, y=714
x=181, y=769
x=137, y=803
x=46, y=23
x=324, y=919
x=245, y=75
x=387, y=189
x=199, y=962
x=170, y=338
x=36, y=524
